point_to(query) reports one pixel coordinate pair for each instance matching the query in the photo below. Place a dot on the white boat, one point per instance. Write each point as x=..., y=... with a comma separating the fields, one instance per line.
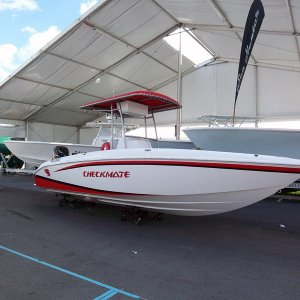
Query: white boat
x=268, y=141
x=36, y=153
x=173, y=181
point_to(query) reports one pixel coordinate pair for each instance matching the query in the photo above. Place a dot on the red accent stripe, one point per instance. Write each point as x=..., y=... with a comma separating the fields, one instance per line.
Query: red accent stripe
x=56, y=185
x=264, y=168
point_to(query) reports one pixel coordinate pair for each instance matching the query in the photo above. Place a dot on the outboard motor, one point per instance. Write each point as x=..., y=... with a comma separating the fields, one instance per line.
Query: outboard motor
x=60, y=151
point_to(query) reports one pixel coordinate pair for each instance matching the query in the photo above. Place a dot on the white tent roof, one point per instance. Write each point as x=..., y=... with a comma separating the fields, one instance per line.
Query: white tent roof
x=118, y=47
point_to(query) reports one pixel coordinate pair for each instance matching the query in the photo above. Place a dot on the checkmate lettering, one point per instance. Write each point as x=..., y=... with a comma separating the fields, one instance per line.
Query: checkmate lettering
x=106, y=174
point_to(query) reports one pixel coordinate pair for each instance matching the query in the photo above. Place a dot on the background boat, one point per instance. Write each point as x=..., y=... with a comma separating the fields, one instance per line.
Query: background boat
x=220, y=136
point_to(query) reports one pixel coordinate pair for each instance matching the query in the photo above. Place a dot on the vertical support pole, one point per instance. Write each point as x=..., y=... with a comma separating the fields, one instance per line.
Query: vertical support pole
x=26, y=130
x=27, y=126
x=145, y=124
x=112, y=125
x=123, y=125
x=78, y=135
x=154, y=124
x=179, y=89
x=256, y=96
x=216, y=90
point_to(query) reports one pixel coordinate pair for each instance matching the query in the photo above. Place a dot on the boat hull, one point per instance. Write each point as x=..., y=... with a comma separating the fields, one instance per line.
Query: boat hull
x=36, y=153
x=167, y=182
x=275, y=142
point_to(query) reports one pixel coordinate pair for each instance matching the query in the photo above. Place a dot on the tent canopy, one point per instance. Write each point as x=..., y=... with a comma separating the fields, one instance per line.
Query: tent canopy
x=118, y=47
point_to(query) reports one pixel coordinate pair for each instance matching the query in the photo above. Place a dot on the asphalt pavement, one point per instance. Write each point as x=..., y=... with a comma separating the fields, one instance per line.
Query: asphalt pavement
x=49, y=252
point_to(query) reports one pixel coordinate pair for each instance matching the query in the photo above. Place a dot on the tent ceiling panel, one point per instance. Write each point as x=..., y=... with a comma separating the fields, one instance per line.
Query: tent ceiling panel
x=278, y=16
x=16, y=111
x=30, y=92
x=268, y=50
x=58, y=72
x=69, y=46
x=143, y=70
x=295, y=8
x=108, y=85
x=58, y=116
x=9, y=91
x=191, y=12
x=96, y=49
x=118, y=47
x=74, y=101
x=103, y=53
x=224, y=44
x=45, y=95
x=135, y=22
x=276, y=13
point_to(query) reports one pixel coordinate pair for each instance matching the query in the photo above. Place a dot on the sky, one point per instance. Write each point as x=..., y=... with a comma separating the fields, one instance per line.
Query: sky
x=28, y=25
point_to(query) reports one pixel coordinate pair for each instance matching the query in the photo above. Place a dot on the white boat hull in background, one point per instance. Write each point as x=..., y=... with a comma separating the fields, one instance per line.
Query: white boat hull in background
x=36, y=153
x=180, y=182
x=276, y=142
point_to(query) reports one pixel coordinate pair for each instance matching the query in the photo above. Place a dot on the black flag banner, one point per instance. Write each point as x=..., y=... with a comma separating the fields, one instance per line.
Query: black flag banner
x=254, y=20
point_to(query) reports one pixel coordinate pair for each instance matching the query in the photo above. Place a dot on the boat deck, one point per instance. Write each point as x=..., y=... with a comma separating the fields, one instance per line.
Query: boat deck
x=48, y=252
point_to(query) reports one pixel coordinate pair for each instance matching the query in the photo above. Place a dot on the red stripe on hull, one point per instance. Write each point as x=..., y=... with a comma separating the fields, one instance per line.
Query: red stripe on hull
x=263, y=168
x=59, y=186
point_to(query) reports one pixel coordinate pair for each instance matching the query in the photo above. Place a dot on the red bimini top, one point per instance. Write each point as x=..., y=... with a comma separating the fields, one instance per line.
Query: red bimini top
x=156, y=102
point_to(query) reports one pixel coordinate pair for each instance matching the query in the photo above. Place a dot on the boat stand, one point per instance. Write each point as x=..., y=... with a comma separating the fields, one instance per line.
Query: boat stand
x=133, y=214
x=69, y=202
x=138, y=216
